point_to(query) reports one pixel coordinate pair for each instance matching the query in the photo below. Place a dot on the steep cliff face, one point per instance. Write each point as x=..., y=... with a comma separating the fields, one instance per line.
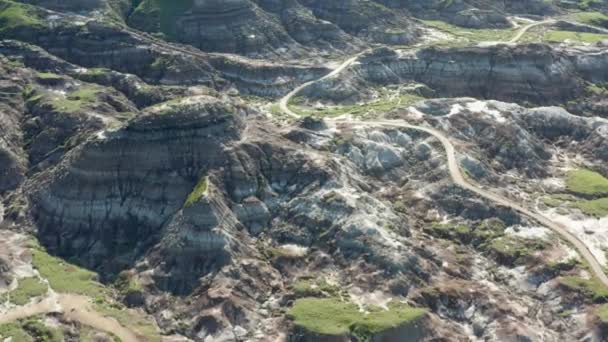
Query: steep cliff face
x=123, y=185
x=13, y=163
x=91, y=43
x=273, y=27
x=532, y=73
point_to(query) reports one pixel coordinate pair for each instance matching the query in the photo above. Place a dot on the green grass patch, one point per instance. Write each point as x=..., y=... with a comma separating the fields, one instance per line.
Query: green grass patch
x=127, y=285
x=331, y=316
x=16, y=16
x=77, y=100
x=65, y=277
x=602, y=313
x=513, y=250
x=476, y=234
x=131, y=319
x=48, y=76
x=41, y=332
x=14, y=331
x=27, y=289
x=463, y=36
x=597, y=88
x=361, y=110
x=597, y=207
x=199, y=191
x=558, y=36
x=591, y=288
x=587, y=182
x=592, y=18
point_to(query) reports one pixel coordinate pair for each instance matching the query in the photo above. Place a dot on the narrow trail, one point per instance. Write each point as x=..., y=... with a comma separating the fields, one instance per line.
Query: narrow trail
x=284, y=102
x=526, y=28
x=460, y=180
x=454, y=168
x=75, y=308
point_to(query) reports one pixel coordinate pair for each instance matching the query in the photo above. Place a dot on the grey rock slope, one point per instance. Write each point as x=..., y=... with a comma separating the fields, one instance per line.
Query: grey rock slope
x=532, y=73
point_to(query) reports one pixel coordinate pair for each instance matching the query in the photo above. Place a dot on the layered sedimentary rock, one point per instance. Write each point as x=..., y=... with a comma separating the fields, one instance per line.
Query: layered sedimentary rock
x=123, y=185
x=98, y=44
x=273, y=27
x=531, y=73
x=13, y=163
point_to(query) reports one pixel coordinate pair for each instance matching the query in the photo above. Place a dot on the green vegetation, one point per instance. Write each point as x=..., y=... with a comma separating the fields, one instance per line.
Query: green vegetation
x=127, y=285
x=551, y=201
x=558, y=36
x=478, y=234
x=131, y=319
x=591, y=288
x=77, y=100
x=42, y=333
x=14, y=331
x=48, y=76
x=597, y=88
x=199, y=191
x=602, y=313
x=559, y=266
x=30, y=330
x=465, y=36
x=27, y=289
x=450, y=231
x=15, y=16
x=311, y=288
x=592, y=18
x=597, y=208
x=361, y=110
x=65, y=277
x=512, y=249
x=587, y=182
x=330, y=316
x=160, y=15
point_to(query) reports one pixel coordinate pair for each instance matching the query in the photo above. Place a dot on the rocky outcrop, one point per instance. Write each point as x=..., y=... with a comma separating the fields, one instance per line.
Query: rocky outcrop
x=532, y=73
x=97, y=44
x=123, y=185
x=263, y=28
x=196, y=241
x=513, y=137
x=13, y=161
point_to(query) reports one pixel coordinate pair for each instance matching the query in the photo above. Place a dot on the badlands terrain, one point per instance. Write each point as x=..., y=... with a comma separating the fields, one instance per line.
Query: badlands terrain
x=303, y=170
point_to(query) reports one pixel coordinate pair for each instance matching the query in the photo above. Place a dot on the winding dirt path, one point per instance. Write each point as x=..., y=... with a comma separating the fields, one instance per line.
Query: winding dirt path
x=75, y=308
x=284, y=102
x=460, y=180
x=525, y=29
x=454, y=168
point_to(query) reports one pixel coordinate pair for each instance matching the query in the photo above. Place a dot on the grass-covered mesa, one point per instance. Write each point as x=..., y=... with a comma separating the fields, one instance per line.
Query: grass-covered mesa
x=15, y=16
x=334, y=317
